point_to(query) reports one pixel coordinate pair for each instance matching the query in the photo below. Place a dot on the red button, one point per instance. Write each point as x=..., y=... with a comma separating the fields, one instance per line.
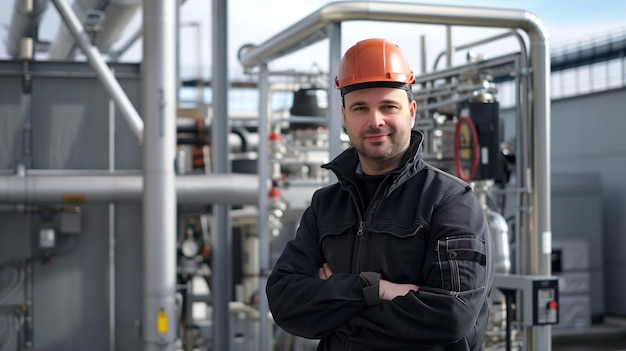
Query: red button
x=552, y=305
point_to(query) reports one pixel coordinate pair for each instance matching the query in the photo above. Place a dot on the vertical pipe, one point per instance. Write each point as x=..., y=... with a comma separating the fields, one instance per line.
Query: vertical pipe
x=112, y=317
x=423, y=53
x=263, y=171
x=334, y=99
x=541, y=234
x=219, y=148
x=520, y=119
x=111, y=230
x=159, y=197
x=541, y=152
x=448, y=46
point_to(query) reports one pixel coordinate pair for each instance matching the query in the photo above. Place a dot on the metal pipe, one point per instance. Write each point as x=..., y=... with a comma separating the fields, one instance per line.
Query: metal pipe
x=222, y=241
x=222, y=282
x=422, y=54
x=263, y=170
x=311, y=29
x=115, y=55
x=100, y=67
x=335, y=122
x=484, y=41
x=117, y=15
x=112, y=275
x=27, y=15
x=159, y=324
x=239, y=189
x=540, y=135
x=448, y=46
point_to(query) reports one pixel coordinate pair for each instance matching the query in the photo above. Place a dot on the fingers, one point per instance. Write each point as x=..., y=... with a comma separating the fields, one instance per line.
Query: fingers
x=321, y=273
x=325, y=272
x=389, y=290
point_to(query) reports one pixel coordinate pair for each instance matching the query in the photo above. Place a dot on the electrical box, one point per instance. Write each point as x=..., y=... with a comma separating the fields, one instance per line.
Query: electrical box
x=539, y=296
x=486, y=118
x=47, y=238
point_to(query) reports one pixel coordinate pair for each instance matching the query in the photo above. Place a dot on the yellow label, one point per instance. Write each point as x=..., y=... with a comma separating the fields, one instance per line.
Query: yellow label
x=464, y=143
x=74, y=198
x=162, y=326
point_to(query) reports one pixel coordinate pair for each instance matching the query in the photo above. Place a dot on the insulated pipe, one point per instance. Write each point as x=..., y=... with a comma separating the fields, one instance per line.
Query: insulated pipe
x=27, y=15
x=158, y=70
x=117, y=15
x=235, y=189
x=100, y=67
x=114, y=55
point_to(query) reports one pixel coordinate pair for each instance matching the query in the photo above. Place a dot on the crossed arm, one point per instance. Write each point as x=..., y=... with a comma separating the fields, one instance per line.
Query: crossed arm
x=386, y=290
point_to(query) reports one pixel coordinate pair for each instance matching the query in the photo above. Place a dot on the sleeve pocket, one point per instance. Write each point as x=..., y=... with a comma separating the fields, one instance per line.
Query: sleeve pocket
x=462, y=260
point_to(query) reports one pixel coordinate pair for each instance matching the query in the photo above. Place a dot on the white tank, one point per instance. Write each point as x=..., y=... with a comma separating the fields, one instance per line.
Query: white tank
x=500, y=236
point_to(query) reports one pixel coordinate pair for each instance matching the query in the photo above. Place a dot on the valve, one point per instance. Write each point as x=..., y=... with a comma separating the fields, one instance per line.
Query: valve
x=277, y=208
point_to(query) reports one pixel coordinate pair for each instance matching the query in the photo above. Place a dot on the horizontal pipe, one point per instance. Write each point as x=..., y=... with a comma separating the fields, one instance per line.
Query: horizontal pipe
x=311, y=29
x=239, y=189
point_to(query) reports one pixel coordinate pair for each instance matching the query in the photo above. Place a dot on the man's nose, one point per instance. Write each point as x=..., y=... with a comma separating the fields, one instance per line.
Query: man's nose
x=376, y=119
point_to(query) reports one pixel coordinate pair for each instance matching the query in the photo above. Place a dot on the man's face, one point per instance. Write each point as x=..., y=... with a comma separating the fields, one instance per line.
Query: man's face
x=379, y=123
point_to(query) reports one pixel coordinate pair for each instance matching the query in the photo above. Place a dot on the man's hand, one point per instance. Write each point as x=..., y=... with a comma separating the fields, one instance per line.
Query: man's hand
x=325, y=272
x=389, y=290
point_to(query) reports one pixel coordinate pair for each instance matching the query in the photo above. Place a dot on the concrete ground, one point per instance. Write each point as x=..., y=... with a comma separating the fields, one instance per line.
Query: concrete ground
x=610, y=335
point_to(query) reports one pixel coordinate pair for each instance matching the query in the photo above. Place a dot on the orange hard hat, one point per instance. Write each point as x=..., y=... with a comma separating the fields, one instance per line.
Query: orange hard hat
x=373, y=61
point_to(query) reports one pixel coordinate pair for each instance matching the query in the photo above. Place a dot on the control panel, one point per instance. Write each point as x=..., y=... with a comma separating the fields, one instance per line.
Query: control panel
x=539, y=296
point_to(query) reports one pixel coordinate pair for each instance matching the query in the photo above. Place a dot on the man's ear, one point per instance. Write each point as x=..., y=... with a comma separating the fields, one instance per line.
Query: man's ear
x=413, y=109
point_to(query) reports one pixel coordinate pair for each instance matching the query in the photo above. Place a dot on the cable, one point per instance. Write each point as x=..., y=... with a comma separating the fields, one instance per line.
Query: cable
x=16, y=282
x=14, y=325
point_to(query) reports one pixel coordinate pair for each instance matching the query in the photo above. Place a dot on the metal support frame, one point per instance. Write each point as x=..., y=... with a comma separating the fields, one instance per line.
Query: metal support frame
x=222, y=240
x=310, y=30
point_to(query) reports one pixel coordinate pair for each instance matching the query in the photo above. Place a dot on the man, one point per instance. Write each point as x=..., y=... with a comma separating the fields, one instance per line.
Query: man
x=397, y=254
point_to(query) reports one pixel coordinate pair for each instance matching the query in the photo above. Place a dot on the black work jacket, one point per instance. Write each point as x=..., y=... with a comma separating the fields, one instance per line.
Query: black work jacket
x=424, y=227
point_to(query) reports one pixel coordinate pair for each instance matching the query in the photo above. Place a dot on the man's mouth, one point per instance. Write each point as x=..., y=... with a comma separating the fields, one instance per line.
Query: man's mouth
x=375, y=137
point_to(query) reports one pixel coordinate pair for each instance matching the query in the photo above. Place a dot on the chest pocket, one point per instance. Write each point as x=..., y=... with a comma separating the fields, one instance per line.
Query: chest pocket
x=337, y=244
x=395, y=251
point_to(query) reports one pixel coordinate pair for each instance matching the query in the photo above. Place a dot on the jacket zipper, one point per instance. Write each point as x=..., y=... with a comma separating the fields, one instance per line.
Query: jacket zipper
x=360, y=231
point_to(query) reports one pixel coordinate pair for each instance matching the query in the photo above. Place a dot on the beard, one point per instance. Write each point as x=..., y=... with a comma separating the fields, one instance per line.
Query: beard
x=393, y=145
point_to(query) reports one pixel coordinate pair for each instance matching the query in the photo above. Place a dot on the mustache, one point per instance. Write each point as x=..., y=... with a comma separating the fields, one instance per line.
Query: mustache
x=377, y=131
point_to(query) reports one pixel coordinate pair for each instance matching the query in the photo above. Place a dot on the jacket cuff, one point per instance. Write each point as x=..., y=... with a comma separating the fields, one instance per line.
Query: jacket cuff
x=370, y=281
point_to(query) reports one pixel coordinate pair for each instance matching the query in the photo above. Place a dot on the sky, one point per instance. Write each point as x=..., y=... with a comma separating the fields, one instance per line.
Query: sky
x=254, y=22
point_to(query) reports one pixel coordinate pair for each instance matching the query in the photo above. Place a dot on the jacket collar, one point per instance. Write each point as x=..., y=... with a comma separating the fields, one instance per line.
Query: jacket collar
x=346, y=163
